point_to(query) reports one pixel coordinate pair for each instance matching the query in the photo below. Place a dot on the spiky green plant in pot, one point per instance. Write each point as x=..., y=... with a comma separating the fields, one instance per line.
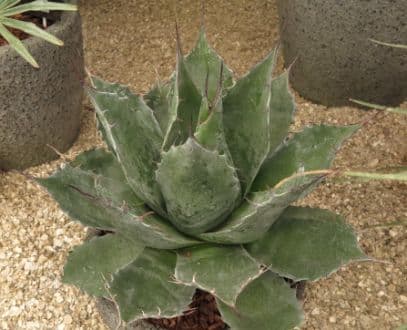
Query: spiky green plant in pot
x=195, y=192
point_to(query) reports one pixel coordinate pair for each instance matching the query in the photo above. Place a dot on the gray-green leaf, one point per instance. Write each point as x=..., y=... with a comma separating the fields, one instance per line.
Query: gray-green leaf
x=90, y=266
x=186, y=100
x=199, y=187
x=312, y=149
x=282, y=108
x=306, y=244
x=267, y=303
x=246, y=121
x=222, y=271
x=135, y=137
x=160, y=100
x=146, y=287
x=202, y=63
x=92, y=191
x=210, y=132
x=260, y=210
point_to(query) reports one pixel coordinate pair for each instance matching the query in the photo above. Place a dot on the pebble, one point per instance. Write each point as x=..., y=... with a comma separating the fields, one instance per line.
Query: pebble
x=315, y=311
x=67, y=319
x=332, y=319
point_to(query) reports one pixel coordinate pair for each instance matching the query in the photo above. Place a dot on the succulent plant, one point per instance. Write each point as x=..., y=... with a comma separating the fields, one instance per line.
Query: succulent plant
x=10, y=8
x=195, y=190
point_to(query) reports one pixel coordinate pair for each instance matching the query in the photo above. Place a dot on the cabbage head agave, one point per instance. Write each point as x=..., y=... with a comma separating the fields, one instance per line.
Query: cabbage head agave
x=10, y=8
x=194, y=191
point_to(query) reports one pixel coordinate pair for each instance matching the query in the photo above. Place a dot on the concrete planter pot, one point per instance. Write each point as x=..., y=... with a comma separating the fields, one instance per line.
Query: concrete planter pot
x=40, y=107
x=335, y=59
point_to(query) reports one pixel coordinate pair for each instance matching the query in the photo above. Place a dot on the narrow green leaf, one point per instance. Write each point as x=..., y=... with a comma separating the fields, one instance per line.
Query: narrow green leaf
x=199, y=187
x=380, y=107
x=306, y=244
x=17, y=45
x=282, y=108
x=39, y=5
x=312, y=149
x=87, y=195
x=136, y=138
x=32, y=29
x=389, y=44
x=260, y=210
x=222, y=271
x=186, y=99
x=246, y=121
x=91, y=265
x=397, y=176
x=146, y=287
x=204, y=64
x=4, y=4
x=266, y=303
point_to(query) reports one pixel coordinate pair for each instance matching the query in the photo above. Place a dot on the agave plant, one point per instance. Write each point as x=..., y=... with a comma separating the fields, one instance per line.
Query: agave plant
x=10, y=8
x=195, y=190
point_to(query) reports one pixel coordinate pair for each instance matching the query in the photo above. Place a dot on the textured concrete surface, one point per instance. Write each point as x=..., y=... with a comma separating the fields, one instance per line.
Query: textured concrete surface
x=335, y=59
x=40, y=107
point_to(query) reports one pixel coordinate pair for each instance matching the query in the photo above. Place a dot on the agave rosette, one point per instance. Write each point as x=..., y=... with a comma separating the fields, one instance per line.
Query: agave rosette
x=194, y=190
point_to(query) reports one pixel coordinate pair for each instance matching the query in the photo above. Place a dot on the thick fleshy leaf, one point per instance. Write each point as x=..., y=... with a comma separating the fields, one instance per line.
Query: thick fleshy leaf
x=306, y=244
x=100, y=162
x=266, y=303
x=246, y=121
x=221, y=270
x=85, y=192
x=146, y=287
x=160, y=100
x=108, y=87
x=199, y=187
x=282, y=108
x=135, y=137
x=260, y=210
x=204, y=64
x=210, y=132
x=186, y=99
x=90, y=266
x=312, y=149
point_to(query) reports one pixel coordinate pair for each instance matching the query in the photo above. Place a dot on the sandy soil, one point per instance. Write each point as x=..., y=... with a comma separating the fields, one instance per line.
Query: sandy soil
x=133, y=42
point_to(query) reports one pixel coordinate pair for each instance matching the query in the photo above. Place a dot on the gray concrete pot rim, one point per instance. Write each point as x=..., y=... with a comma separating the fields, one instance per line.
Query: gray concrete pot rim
x=56, y=29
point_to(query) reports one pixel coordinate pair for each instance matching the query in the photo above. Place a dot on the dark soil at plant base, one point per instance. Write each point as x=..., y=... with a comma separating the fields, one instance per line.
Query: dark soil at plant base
x=20, y=34
x=203, y=313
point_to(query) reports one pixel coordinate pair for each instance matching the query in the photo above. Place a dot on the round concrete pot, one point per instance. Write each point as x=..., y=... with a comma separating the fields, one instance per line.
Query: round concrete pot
x=335, y=60
x=41, y=107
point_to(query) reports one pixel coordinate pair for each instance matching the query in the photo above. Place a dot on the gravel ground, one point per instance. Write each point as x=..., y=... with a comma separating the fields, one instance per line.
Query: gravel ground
x=133, y=42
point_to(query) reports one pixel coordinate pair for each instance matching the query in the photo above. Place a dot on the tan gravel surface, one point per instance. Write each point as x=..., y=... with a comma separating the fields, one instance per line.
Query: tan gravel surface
x=132, y=41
